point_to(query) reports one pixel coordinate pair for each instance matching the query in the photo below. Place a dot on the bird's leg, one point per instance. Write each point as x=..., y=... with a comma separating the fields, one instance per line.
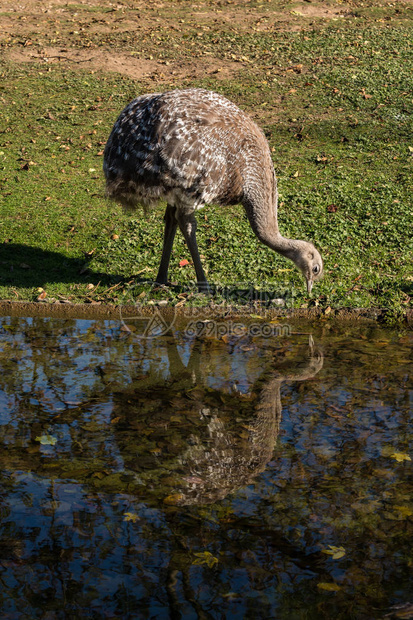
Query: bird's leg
x=188, y=224
x=168, y=240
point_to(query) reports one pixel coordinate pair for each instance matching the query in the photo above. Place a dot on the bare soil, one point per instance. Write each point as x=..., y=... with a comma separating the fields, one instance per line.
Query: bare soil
x=100, y=59
x=89, y=32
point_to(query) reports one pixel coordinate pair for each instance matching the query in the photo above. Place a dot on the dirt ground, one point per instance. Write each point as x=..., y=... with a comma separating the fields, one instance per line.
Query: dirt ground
x=350, y=316
x=88, y=34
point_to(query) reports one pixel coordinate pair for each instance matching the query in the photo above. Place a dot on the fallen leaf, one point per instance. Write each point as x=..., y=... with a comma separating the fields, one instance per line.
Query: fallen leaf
x=205, y=557
x=46, y=440
x=173, y=499
x=404, y=510
x=400, y=457
x=131, y=516
x=183, y=263
x=98, y=474
x=335, y=552
x=329, y=587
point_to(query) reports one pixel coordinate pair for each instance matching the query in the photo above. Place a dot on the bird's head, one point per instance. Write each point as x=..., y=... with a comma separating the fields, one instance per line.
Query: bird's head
x=309, y=262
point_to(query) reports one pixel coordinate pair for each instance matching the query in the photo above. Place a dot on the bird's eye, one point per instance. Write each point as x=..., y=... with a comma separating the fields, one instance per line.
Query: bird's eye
x=316, y=269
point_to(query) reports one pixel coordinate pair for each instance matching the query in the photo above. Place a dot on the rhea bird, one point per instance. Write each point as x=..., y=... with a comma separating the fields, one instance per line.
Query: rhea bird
x=194, y=147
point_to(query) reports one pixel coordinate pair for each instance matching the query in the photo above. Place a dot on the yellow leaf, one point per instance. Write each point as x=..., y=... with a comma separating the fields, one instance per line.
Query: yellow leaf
x=330, y=587
x=173, y=499
x=335, y=552
x=131, y=516
x=98, y=474
x=205, y=557
x=400, y=457
x=338, y=555
x=404, y=510
x=46, y=440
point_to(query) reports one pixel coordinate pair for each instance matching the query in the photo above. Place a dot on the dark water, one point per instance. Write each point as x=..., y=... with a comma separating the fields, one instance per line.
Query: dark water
x=242, y=477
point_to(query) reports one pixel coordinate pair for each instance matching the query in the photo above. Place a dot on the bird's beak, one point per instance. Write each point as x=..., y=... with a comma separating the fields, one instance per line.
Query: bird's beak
x=309, y=286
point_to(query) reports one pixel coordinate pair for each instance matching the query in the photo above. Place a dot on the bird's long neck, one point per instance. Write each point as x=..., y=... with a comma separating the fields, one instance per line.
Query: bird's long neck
x=261, y=203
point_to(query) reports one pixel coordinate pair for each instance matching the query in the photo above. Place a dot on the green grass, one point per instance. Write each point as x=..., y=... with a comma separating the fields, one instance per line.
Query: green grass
x=336, y=104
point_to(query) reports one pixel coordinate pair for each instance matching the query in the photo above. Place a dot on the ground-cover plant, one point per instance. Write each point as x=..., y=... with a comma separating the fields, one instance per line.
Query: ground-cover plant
x=336, y=105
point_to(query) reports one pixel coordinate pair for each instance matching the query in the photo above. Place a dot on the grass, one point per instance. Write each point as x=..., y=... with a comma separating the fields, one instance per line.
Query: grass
x=336, y=104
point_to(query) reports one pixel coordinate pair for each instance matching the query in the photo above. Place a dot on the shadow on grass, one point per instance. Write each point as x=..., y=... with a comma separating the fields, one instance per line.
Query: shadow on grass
x=25, y=266
x=407, y=286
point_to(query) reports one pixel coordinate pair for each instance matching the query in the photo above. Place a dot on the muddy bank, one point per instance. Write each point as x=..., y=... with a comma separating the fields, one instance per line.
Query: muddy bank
x=109, y=311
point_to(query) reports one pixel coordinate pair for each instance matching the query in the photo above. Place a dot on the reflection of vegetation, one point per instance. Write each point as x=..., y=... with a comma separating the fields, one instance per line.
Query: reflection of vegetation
x=320, y=527
x=176, y=435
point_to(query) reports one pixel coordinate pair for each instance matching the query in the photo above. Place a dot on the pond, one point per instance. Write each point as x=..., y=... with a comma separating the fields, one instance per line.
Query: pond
x=202, y=475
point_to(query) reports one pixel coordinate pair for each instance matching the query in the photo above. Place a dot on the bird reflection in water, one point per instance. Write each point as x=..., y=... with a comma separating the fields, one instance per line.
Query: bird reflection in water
x=203, y=442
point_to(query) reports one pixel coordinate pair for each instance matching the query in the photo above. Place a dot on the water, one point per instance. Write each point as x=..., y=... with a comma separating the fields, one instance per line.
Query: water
x=190, y=478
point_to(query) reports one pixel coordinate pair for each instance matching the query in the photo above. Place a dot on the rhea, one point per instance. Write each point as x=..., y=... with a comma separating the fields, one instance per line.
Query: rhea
x=194, y=147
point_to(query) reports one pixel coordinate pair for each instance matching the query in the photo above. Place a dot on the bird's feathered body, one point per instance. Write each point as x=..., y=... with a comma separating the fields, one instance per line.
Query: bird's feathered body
x=191, y=147
x=194, y=147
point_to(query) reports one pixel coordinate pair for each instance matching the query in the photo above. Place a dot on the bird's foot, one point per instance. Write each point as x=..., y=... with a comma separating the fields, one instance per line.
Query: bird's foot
x=160, y=285
x=203, y=287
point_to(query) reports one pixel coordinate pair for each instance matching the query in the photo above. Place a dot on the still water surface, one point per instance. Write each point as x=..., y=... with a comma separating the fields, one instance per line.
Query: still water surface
x=204, y=478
